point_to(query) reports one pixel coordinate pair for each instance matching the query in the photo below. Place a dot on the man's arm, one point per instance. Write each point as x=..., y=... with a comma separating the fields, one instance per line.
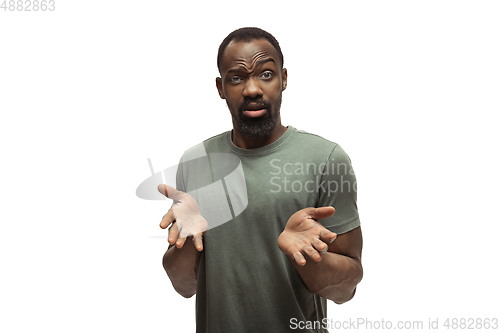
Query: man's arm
x=332, y=271
x=336, y=276
x=181, y=261
x=181, y=265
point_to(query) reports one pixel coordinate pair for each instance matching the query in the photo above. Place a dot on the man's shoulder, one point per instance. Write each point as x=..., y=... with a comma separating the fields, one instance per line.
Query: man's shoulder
x=216, y=138
x=314, y=140
x=200, y=150
x=317, y=145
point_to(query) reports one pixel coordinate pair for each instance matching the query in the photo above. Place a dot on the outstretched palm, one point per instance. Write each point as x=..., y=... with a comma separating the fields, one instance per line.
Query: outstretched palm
x=185, y=217
x=304, y=234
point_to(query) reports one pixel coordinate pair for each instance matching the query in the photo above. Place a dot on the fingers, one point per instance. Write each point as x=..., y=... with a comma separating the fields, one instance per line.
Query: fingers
x=169, y=191
x=299, y=258
x=307, y=236
x=180, y=242
x=198, y=242
x=327, y=236
x=184, y=233
x=320, y=246
x=167, y=219
x=315, y=249
x=312, y=253
x=177, y=234
x=320, y=212
x=173, y=234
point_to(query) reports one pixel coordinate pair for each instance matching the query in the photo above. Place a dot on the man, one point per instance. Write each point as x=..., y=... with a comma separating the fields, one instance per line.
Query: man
x=273, y=264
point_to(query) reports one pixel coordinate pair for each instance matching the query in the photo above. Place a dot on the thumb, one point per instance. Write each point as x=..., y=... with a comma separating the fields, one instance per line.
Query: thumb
x=320, y=212
x=168, y=191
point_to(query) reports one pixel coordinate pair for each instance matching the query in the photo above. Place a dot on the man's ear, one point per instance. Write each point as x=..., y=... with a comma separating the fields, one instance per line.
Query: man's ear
x=284, y=75
x=218, y=83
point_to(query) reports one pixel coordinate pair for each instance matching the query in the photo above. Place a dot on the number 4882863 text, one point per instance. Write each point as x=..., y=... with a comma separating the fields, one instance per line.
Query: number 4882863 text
x=28, y=5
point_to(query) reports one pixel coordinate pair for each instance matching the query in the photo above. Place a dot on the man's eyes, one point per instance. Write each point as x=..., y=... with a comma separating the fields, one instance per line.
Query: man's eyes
x=267, y=75
x=236, y=79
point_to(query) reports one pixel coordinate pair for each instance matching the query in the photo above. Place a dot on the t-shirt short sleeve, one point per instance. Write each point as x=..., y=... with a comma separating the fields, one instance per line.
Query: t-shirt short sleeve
x=338, y=188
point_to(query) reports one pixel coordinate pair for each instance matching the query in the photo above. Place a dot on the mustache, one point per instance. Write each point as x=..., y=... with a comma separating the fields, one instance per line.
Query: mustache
x=249, y=101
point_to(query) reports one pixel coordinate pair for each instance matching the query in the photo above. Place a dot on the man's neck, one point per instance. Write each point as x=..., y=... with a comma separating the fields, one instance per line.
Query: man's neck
x=246, y=142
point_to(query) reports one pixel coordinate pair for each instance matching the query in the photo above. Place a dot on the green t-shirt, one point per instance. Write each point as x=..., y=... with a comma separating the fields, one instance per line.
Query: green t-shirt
x=245, y=283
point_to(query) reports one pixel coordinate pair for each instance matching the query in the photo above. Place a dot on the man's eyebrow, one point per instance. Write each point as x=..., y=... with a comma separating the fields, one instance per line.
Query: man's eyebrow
x=260, y=62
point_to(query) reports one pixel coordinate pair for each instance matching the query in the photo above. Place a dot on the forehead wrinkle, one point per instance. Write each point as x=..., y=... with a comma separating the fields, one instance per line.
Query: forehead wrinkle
x=246, y=56
x=255, y=62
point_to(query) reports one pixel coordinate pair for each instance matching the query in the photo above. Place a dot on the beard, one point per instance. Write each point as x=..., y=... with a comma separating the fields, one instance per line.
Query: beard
x=260, y=127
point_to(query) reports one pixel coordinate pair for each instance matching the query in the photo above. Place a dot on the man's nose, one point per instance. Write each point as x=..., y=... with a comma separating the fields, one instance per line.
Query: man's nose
x=252, y=88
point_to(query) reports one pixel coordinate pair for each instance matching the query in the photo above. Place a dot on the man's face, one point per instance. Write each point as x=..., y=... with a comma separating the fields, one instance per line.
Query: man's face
x=252, y=83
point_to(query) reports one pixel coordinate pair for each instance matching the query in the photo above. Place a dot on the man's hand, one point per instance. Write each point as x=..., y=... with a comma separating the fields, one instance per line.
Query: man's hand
x=304, y=234
x=185, y=217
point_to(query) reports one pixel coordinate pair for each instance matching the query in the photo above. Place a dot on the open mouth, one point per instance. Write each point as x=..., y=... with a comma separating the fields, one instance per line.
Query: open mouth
x=254, y=110
x=254, y=113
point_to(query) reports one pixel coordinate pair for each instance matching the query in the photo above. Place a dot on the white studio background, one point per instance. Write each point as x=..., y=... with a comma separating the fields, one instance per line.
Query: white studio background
x=91, y=90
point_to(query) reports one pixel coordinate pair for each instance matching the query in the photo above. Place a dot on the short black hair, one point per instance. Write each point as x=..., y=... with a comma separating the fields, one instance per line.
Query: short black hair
x=246, y=35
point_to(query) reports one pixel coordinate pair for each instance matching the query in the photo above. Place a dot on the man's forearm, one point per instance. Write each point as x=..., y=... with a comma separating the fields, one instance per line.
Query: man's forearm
x=335, y=277
x=181, y=266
